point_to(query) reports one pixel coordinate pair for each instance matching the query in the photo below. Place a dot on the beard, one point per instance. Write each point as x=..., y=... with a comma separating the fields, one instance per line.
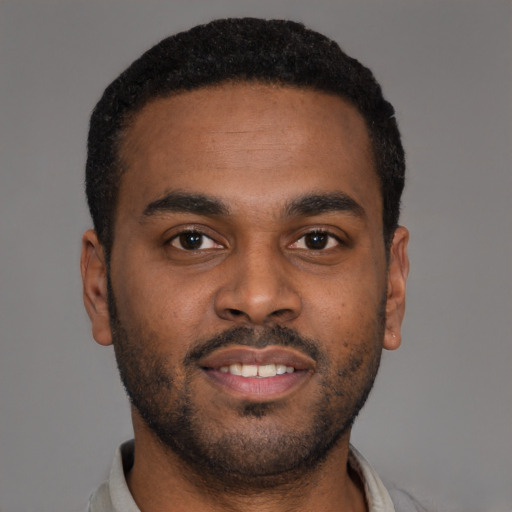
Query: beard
x=263, y=448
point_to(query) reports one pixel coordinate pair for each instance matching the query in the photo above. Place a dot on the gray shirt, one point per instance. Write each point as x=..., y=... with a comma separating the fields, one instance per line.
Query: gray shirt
x=114, y=495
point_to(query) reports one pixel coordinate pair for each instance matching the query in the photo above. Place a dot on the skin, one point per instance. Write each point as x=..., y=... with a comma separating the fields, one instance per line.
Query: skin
x=256, y=148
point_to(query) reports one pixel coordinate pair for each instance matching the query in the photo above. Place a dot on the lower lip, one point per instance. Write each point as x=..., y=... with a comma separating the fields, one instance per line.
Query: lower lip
x=259, y=388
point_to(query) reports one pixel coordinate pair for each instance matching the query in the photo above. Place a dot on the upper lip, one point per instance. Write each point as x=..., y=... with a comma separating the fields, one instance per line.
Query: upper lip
x=248, y=355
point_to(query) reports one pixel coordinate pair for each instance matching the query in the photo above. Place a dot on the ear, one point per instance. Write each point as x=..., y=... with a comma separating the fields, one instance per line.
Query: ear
x=94, y=280
x=398, y=269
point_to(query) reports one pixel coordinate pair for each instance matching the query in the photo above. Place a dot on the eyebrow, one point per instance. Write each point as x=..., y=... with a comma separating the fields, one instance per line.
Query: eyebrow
x=316, y=204
x=184, y=202
x=307, y=205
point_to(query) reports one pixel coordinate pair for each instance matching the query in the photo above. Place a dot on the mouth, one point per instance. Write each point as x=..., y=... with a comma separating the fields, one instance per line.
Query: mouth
x=258, y=374
x=263, y=371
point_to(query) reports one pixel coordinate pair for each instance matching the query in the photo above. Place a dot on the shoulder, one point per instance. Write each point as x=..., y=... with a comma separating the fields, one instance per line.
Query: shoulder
x=404, y=502
x=100, y=500
x=379, y=497
x=114, y=495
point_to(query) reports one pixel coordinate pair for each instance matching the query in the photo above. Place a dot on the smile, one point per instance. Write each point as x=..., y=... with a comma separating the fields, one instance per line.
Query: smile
x=253, y=370
x=270, y=373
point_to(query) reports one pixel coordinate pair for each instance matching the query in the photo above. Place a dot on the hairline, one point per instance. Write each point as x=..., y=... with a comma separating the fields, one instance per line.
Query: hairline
x=129, y=118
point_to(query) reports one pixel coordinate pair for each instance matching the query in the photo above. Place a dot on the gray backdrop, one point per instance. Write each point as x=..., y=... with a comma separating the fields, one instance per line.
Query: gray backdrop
x=440, y=419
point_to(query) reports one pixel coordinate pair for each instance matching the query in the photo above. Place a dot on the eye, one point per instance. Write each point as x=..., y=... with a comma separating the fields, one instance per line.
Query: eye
x=316, y=241
x=193, y=241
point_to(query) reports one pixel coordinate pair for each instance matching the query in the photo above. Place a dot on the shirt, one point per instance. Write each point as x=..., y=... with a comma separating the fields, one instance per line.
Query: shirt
x=114, y=495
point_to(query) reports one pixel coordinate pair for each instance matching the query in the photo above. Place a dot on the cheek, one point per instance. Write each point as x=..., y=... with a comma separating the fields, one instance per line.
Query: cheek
x=166, y=301
x=346, y=311
x=347, y=296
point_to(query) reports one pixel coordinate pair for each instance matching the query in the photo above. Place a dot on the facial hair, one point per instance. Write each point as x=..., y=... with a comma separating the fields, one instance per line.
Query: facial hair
x=263, y=449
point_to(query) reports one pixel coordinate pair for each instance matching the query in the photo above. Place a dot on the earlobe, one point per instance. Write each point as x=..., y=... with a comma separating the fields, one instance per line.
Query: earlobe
x=398, y=269
x=95, y=291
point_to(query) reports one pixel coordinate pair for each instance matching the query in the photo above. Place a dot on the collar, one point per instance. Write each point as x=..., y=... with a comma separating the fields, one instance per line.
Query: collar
x=114, y=495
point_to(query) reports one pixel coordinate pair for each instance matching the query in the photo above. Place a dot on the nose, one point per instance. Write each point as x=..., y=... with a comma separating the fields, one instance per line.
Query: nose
x=258, y=290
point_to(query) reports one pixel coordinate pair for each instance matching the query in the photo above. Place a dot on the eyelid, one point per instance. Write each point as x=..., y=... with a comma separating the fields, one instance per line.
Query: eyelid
x=331, y=243
x=193, y=229
x=175, y=242
x=337, y=237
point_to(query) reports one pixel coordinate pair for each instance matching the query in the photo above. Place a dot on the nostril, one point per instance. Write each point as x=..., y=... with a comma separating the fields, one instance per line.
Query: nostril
x=282, y=314
x=255, y=307
x=236, y=312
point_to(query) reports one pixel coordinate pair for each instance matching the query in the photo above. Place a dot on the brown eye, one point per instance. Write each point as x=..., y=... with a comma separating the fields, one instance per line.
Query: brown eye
x=316, y=241
x=193, y=241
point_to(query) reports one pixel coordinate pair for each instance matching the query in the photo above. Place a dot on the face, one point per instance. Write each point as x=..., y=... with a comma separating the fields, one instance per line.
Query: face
x=250, y=295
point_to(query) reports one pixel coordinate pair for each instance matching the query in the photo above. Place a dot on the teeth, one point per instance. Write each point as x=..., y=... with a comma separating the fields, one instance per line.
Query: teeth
x=235, y=369
x=249, y=370
x=267, y=370
x=280, y=369
x=253, y=370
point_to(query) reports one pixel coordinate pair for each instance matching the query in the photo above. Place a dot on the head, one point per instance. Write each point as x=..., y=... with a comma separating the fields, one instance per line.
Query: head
x=237, y=51
x=244, y=182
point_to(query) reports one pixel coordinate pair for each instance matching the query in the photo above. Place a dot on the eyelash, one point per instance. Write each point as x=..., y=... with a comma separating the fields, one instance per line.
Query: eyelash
x=331, y=240
x=178, y=241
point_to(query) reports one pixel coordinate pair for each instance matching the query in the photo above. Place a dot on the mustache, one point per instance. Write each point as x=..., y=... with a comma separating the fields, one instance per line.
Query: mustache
x=256, y=338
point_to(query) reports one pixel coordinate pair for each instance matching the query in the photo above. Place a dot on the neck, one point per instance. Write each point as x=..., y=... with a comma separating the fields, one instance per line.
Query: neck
x=160, y=481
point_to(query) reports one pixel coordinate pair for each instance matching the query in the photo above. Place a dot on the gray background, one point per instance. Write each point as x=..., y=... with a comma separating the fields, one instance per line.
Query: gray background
x=440, y=419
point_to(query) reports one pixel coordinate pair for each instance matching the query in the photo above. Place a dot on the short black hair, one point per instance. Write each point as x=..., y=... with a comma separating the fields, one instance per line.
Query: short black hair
x=238, y=50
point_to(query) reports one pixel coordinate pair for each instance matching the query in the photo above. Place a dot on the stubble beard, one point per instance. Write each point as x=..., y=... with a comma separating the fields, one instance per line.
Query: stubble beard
x=259, y=453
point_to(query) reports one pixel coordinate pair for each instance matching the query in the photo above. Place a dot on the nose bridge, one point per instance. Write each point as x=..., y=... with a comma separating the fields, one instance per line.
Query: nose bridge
x=257, y=289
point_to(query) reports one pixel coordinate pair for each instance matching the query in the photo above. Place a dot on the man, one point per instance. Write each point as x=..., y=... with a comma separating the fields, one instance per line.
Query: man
x=244, y=180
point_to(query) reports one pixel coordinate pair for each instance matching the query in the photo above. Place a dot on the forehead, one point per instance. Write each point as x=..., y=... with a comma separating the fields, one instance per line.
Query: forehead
x=249, y=144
